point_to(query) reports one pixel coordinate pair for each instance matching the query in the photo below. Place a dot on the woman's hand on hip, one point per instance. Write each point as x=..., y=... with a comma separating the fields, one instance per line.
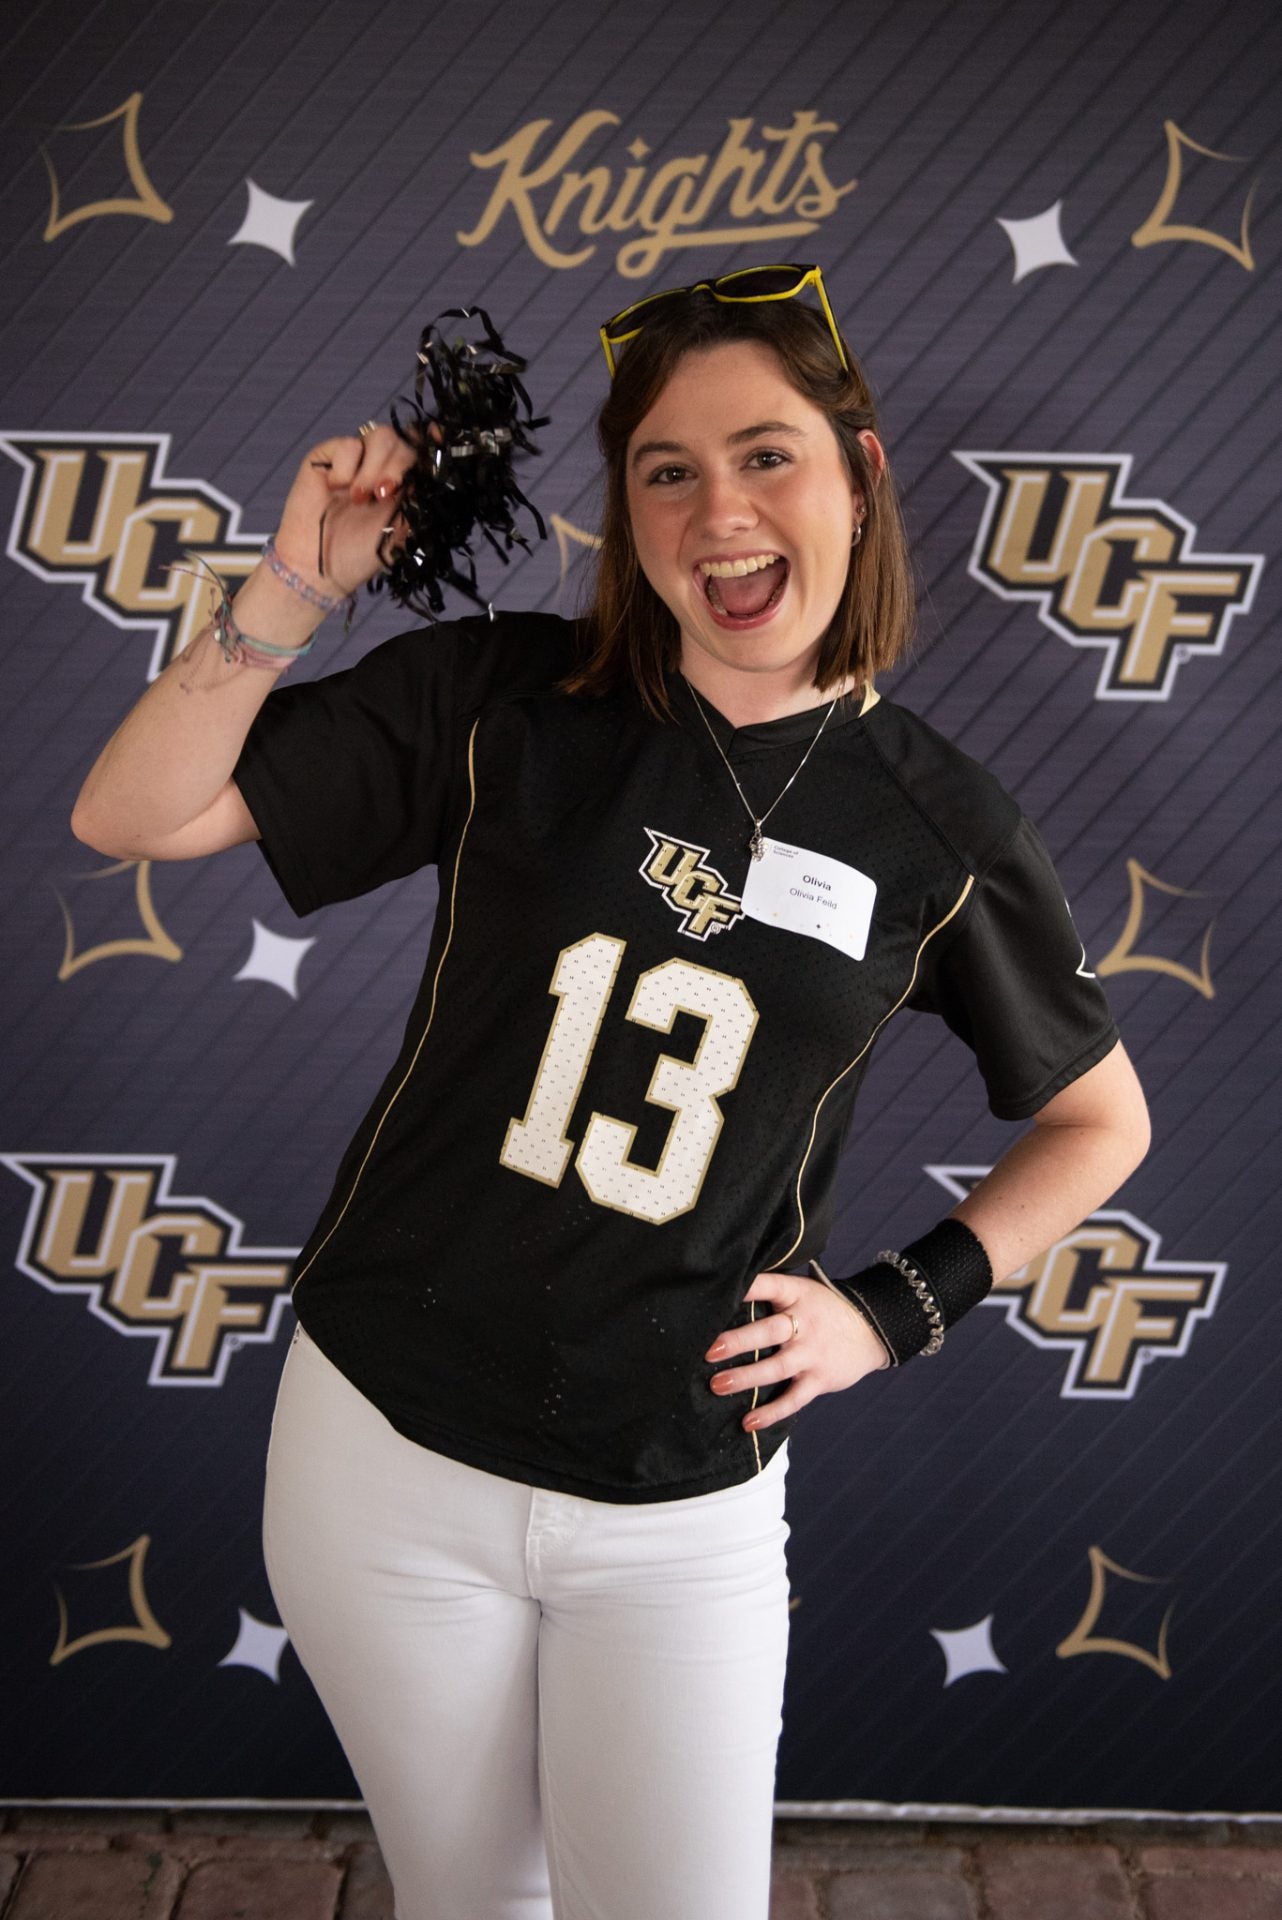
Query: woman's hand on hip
x=822, y=1343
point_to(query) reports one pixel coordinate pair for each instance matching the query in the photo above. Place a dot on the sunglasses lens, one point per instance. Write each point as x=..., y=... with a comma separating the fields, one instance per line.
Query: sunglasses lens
x=780, y=282
x=624, y=324
x=764, y=281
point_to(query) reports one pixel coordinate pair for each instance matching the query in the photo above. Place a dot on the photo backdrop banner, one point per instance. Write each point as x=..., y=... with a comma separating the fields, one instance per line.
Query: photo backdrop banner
x=1039, y=1571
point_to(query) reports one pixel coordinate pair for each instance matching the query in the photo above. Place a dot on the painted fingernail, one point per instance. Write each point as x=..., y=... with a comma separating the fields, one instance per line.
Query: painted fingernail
x=752, y=1420
x=723, y=1383
x=716, y=1350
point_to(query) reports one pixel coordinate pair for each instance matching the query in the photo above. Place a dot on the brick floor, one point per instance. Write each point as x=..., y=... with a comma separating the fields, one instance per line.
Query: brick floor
x=82, y=1838
x=918, y=1893
x=96, y=1886
x=794, y=1896
x=1211, y=1883
x=367, y=1891
x=261, y=1889
x=1212, y=1897
x=1258, y=1860
x=1055, y=1882
x=74, y=1864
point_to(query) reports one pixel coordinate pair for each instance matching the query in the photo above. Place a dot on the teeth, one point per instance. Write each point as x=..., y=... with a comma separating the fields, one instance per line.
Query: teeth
x=735, y=569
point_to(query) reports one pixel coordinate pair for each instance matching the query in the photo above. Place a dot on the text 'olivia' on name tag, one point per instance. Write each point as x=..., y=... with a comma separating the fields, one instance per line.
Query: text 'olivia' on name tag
x=808, y=893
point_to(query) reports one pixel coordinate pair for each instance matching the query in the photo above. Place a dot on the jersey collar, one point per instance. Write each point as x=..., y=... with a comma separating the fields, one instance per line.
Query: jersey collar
x=791, y=730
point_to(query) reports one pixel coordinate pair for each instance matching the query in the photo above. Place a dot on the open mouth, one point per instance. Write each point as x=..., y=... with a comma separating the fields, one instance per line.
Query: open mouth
x=740, y=592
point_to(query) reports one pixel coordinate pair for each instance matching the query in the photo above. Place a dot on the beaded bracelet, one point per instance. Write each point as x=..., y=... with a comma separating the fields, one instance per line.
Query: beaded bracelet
x=929, y=1304
x=303, y=588
x=910, y=1298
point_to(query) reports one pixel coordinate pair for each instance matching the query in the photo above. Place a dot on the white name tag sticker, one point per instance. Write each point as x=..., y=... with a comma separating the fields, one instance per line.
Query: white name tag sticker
x=810, y=894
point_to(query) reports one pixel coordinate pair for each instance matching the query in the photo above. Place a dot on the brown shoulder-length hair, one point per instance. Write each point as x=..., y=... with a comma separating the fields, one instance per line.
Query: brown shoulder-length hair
x=631, y=638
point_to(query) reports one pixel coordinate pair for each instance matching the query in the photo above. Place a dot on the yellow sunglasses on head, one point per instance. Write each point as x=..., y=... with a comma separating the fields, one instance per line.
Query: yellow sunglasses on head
x=745, y=284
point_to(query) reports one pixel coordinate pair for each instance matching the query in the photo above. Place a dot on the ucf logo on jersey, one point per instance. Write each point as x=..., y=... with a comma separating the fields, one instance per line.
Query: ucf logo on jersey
x=1105, y=570
x=153, y=1264
x=691, y=888
x=98, y=511
x=1104, y=1296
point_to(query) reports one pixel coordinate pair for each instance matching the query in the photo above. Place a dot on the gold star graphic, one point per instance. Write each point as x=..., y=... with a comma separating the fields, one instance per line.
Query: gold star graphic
x=1124, y=957
x=153, y=940
x=569, y=536
x=144, y=1626
x=147, y=206
x=1159, y=225
x=1084, y=1639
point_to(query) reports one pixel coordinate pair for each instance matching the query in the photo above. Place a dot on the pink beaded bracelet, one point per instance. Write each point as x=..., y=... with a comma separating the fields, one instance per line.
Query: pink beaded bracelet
x=303, y=588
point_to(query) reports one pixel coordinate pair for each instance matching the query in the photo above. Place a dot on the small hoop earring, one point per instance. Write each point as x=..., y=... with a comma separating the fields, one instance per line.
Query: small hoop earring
x=858, y=533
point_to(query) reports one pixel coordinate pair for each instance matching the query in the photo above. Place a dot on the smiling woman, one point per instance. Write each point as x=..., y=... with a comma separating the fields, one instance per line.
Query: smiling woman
x=738, y=410
x=525, y=1495
x=744, y=512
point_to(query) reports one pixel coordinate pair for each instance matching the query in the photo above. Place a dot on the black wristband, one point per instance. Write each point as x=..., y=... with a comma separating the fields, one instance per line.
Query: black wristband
x=953, y=1273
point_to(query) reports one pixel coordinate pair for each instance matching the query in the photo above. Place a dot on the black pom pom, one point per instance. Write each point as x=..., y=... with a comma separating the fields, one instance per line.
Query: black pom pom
x=465, y=438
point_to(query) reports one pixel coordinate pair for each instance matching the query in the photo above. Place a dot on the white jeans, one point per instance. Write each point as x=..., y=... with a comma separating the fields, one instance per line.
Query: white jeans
x=554, y=1706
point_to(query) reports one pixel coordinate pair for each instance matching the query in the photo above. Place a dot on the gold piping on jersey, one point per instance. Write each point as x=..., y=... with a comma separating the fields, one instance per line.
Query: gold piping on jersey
x=952, y=913
x=431, y=1014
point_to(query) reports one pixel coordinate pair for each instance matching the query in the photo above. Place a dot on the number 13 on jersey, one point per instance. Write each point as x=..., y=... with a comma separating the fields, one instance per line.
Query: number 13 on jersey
x=584, y=979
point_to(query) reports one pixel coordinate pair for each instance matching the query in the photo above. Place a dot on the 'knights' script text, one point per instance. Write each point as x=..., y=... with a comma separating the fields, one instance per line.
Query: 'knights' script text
x=771, y=185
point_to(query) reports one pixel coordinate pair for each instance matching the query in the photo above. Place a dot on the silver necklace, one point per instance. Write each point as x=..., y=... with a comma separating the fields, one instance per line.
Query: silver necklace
x=756, y=845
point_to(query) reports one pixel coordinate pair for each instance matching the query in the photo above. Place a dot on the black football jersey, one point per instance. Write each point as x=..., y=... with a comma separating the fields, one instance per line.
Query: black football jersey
x=619, y=1096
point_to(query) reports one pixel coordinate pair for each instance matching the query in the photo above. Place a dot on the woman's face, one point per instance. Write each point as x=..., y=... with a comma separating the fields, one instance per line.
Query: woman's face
x=743, y=511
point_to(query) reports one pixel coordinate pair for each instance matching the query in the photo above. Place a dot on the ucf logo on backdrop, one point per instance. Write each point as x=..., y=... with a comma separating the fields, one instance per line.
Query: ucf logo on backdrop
x=98, y=511
x=154, y=1264
x=1104, y=1296
x=1105, y=570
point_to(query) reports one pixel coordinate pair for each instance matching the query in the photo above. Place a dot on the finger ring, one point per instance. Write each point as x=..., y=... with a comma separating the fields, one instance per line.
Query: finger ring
x=795, y=1328
x=368, y=427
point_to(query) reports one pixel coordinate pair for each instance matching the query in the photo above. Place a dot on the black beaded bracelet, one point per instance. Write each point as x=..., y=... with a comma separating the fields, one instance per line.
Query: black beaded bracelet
x=910, y=1298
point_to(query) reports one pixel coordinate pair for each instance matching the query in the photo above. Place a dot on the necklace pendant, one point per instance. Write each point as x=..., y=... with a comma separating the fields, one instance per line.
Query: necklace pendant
x=756, y=845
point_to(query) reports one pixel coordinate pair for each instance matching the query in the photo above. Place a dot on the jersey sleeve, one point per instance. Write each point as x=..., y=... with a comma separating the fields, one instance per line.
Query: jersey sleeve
x=353, y=779
x=1013, y=982
x=347, y=777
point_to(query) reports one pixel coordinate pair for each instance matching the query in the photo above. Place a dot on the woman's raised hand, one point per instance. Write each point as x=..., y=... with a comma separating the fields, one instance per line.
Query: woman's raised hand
x=163, y=786
x=821, y=1343
x=340, y=507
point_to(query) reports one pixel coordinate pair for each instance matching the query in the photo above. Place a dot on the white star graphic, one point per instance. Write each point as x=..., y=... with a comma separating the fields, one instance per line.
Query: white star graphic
x=276, y=959
x=1037, y=242
x=270, y=223
x=257, y=1645
x=969, y=1650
